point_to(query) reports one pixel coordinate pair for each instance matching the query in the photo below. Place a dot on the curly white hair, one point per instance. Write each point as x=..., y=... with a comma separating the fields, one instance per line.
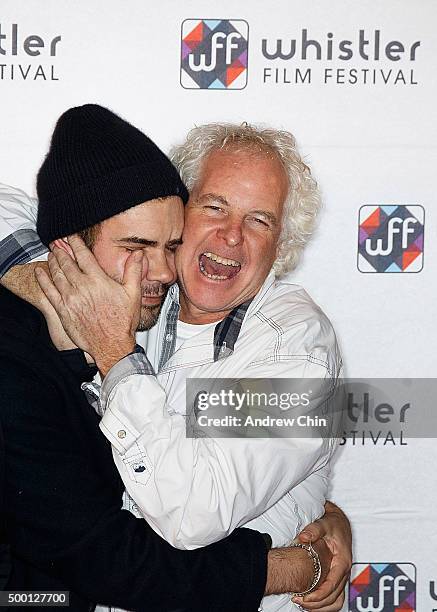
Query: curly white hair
x=303, y=200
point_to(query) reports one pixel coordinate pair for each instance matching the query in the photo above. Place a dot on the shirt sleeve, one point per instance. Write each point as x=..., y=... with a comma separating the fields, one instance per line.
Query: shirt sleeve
x=194, y=491
x=19, y=242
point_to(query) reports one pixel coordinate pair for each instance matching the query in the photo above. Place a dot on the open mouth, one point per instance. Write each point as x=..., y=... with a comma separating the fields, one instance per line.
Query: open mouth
x=218, y=268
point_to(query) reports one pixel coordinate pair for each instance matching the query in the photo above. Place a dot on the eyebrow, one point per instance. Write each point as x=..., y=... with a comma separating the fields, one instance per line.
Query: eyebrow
x=138, y=240
x=175, y=242
x=150, y=243
x=213, y=197
x=220, y=199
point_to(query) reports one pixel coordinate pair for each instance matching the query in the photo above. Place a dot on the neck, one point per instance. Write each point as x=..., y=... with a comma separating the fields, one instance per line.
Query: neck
x=191, y=314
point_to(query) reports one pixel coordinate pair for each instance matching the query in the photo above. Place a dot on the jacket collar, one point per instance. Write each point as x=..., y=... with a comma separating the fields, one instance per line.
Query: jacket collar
x=226, y=331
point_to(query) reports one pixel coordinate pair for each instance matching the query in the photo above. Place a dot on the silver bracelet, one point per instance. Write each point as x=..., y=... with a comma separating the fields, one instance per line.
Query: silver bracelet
x=317, y=567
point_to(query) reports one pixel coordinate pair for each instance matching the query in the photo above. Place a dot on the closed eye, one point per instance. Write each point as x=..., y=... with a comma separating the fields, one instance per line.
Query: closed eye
x=260, y=221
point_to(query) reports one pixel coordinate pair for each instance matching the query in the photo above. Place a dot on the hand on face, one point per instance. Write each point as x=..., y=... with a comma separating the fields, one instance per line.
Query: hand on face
x=99, y=314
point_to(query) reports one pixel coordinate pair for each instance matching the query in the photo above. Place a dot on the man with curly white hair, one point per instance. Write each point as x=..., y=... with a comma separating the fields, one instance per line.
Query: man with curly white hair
x=252, y=208
x=302, y=203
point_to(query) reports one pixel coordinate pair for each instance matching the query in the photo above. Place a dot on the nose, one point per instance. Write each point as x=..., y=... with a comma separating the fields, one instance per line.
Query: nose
x=231, y=232
x=160, y=268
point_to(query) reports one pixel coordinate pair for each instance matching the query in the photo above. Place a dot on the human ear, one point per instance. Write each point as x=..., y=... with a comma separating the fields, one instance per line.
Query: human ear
x=62, y=243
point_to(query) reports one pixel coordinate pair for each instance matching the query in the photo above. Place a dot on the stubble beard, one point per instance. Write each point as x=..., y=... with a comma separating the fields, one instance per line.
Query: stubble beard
x=148, y=317
x=148, y=314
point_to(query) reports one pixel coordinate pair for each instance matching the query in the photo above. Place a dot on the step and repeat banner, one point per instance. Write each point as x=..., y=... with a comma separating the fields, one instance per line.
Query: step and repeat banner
x=356, y=84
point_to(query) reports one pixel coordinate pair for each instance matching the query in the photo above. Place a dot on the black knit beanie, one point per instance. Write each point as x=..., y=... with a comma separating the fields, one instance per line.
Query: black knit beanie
x=98, y=166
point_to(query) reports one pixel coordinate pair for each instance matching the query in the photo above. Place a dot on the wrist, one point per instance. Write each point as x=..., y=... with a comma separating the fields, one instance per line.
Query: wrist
x=317, y=568
x=113, y=354
x=289, y=570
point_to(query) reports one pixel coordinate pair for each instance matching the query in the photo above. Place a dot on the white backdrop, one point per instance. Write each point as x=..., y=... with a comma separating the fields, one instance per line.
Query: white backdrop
x=367, y=143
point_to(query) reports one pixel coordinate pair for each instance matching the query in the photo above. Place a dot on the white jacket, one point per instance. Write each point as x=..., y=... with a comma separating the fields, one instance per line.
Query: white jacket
x=194, y=491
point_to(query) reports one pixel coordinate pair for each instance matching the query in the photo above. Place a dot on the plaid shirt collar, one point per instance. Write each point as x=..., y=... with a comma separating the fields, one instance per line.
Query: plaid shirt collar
x=226, y=332
x=20, y=247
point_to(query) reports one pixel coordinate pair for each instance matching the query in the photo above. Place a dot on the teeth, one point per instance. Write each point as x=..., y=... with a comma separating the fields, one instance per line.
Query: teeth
x=213, y=276
x=222, y=260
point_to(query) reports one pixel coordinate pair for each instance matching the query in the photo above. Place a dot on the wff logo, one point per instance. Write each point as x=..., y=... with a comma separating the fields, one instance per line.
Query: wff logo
x=382, y=587
x=214, y=54
x=391, y=238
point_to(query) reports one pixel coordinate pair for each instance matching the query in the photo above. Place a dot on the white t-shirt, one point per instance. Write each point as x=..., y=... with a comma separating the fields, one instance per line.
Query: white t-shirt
x=186, y=331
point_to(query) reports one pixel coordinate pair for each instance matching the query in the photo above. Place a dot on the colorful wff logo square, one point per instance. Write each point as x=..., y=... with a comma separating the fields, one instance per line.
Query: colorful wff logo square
x=214, y=53
x=391, y=238
x=382, y=587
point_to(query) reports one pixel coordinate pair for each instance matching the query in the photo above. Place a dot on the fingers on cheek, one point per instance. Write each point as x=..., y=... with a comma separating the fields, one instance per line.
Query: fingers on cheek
x=53, y=266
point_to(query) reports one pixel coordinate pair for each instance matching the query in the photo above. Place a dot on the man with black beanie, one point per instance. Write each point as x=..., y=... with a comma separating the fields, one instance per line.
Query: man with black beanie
x=62, y=494
x=98, y=166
